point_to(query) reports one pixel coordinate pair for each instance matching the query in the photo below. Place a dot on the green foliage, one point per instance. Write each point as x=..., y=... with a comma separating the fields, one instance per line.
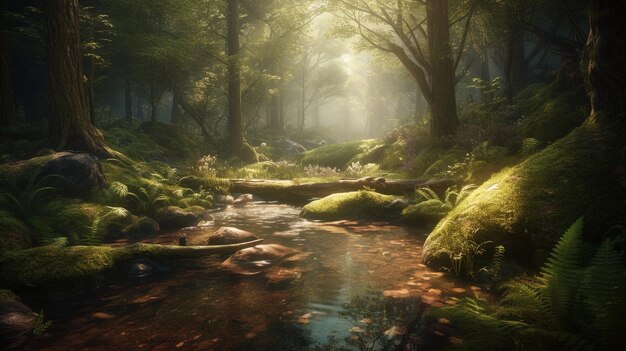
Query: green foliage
x=338, y=155
x=431, y=207
x=576, y=303
x=41, y=324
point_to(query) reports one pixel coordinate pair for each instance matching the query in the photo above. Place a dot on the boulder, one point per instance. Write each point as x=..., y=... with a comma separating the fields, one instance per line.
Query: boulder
x=79, y=173
x=172, y=217
x=427, y=212
x=16, y=322
x=142, y=227
x=229, y=235
x=350, y=205
x=225, y=199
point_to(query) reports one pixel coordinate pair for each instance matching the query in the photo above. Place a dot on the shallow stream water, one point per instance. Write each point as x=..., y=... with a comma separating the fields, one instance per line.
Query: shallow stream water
x=197, y=306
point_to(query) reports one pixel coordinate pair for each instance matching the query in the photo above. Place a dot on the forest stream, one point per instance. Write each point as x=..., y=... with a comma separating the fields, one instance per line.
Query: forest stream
x=195, y=305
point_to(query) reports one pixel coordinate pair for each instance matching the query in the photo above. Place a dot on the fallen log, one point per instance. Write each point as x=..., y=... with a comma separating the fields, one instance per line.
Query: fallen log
x=287, y=190
x=175, y=251
x=58, y=266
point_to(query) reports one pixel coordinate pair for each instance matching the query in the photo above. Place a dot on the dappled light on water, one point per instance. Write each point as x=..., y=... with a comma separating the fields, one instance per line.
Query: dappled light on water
x=303, y=301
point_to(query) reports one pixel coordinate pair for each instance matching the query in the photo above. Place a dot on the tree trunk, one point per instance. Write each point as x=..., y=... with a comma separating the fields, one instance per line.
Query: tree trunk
x=128, y=101
x=443, y=119
x=90, y=91
x=516, y=67
x=7, y=116
x=153, y=100
x=603, y=60
x=140, y=115
x=69, y=128
x=235, y=124
x=316, y=116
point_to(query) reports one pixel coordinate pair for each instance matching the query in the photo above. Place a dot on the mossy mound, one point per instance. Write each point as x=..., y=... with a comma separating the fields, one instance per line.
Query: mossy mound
x=428, y=212
x=357, y=204
x=215, y=185
x=526, y=208
x=340, y=155
x=551, y=111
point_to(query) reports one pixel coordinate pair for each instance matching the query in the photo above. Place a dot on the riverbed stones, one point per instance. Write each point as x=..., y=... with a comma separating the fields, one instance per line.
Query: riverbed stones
x=16, y=322
x=230, y=235
x=172, y=217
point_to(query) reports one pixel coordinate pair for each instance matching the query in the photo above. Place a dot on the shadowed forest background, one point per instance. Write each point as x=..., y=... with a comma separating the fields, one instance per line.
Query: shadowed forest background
x=312, y=174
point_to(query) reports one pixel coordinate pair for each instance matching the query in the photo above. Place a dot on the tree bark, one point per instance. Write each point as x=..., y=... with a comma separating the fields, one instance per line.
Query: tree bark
x=444, y=119
x=69, y=128
x=90, y=91
x=7, y=113
x=516, y=67
x=235, y=123
x=603, y=60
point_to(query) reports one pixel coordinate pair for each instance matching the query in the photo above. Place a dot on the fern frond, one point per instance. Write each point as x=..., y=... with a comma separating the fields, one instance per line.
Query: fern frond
x=427, y=194
x=561, y=277
x=605, y=291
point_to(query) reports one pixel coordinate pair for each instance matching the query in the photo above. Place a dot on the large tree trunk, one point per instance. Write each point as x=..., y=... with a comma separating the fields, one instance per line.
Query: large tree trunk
x=444, y=119
x=7, y=115
x=516, y=67
x=90, y=91
x=604, y=60
x=235, y=123
x=69, y=128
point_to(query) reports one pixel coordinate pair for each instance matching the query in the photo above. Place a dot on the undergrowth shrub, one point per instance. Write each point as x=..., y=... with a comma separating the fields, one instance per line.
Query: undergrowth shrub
x=576, y=302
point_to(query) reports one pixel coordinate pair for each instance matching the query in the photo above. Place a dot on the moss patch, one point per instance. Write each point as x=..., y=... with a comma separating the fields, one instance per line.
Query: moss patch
x=428, y=212
x=14, y=233
x=357, y=204
x=339, y=155
x=527, y=207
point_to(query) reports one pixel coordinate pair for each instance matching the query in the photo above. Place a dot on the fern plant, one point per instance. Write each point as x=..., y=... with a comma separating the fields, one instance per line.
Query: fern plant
x=574, y=304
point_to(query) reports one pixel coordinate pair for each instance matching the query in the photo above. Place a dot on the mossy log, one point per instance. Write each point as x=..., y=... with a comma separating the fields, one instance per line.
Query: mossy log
x=289, y=190
x=55, y=265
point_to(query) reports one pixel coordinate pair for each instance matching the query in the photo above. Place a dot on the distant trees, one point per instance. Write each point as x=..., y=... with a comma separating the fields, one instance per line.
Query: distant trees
x=418, y=34
x=69, y=126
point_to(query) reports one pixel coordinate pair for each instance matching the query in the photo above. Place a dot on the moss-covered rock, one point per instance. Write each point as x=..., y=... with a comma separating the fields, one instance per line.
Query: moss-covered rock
x=528, y=207
x=142, y=227
x=428, y=212
x=338, y=155
x=172, y=217
x=357, y=204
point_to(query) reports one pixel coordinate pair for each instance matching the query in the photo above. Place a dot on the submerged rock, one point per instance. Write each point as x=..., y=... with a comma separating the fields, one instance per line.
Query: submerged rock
x=225, y=199
x=144, y=267
x=260, y=258
x=173, y=217
x=16, y=322
x=229, y=235
x=79, y=173
x=243, y=198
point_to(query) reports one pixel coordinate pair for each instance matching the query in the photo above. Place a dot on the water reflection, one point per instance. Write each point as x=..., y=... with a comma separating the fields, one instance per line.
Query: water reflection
x=197, y=306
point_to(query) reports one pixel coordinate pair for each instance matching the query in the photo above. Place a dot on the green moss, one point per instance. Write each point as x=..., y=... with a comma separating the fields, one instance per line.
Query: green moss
x=550, y=112
x=527, y=207
x=7, y=295
x=357, y=204
x=215, y=185
x=425, y=213
x=14, y=234
x=338, y=155
x=63, y=267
